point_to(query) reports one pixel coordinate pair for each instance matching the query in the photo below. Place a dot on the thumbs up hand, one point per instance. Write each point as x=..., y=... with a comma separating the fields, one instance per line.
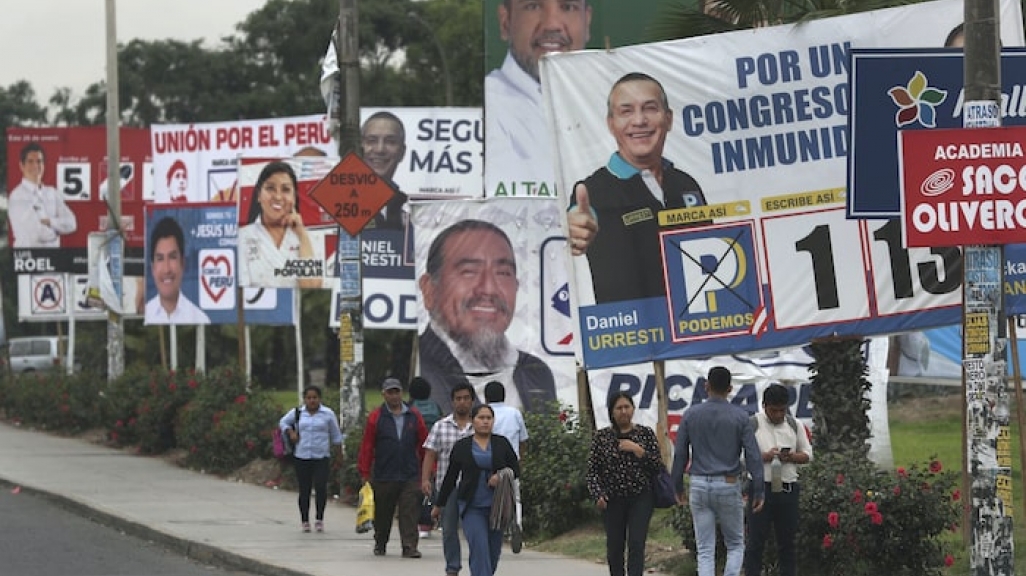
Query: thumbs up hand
x=582, y=223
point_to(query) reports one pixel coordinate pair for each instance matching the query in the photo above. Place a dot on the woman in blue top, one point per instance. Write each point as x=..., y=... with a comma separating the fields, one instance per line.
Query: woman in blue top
x=481, y=452
x=313, y=436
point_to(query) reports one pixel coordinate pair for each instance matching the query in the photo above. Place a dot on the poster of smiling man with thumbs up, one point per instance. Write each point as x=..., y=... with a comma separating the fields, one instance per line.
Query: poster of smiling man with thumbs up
x=613, y=213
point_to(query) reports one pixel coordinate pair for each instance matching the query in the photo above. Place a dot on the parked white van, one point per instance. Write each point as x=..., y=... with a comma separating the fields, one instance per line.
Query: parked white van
x=36, y=353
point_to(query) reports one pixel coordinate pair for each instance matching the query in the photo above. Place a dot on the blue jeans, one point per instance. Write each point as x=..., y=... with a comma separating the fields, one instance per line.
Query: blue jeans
x=451, y=535
x=713, y=500
x=485, y=544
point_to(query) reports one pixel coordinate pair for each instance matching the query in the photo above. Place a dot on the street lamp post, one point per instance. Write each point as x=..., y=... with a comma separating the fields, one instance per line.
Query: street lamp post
x=441, y=53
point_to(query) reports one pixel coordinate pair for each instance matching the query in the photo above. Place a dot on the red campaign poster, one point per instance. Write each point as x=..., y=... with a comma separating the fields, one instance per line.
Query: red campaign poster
x=963, y=186
x=57, y=182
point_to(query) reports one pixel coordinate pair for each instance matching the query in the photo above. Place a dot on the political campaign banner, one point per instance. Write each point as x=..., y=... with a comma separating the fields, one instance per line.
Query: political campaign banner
x=428, y=151
x=719, y=226
x=907, y=90
x=491, y=276
x=57, y=178
x=751, y=374
x=519, y=155
x=191, y=274
x=285, y=239
x=56, y=297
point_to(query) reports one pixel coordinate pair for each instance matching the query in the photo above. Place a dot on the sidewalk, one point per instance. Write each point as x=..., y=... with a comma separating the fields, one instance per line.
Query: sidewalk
x=234, y=524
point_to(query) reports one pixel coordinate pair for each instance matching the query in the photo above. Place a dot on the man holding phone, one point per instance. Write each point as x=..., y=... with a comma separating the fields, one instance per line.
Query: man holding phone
x=779, y=435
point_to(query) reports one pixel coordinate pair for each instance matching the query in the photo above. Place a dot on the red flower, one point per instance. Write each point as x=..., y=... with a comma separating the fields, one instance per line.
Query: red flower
x=935, y=466
x=857, y=497
x=840, y=479
x=871, y=508
x=897, y=490
x=834, y=519
x=119, y=424
x=240, y=399
x=956, y=495
x=828, y=541
x=902, y=472
x=563, y=416
x=193, y=383
x=172, y=386
x=876, y=518
x=949, y=560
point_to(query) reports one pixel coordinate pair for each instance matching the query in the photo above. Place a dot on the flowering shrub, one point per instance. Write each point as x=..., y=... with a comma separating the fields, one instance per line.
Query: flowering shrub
x=52, y=400
x=859, y=520
x=553, y=490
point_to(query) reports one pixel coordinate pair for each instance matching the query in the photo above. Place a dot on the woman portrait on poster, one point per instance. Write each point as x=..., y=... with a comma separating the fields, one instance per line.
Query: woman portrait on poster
x=274, y=233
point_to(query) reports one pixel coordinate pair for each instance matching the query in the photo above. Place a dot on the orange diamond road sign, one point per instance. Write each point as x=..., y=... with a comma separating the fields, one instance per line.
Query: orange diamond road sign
x=352, y=193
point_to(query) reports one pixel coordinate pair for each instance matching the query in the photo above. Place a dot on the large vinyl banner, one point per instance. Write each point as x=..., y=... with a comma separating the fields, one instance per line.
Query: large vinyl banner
x=191, y=272
x=57, y=178
x=430, y=151
x=714, y=184
x=493, y=295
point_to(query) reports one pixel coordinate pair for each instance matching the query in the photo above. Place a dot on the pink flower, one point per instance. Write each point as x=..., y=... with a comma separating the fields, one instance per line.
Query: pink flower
x=897, y=490
x=949, y=560
x=828, y=541
x=902, y=472
x=871, y=508
x=956, y=495
x=840, y=479
x=834, y=519
x=935, y=466
x=876, y=518
x=857, y=497
x=119, y=424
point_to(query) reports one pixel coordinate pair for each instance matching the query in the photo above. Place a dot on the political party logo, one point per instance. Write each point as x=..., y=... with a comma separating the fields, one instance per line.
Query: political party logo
x=557, y=322
x=47, y=294
x=217, y=279
x=262, y=298
x=712, y=281
x=917, y=101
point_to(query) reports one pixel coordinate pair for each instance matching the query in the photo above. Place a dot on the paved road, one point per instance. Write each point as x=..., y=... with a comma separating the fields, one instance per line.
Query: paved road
x=40, y=538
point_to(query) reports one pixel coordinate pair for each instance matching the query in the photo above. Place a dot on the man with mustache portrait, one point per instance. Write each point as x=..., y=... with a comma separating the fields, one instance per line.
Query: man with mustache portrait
x=469, y=290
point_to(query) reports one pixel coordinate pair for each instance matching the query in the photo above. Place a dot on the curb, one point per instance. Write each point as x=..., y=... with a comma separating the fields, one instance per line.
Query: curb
x=197, y=551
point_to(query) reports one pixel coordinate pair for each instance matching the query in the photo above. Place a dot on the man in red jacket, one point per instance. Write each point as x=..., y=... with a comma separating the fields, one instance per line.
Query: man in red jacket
x=390, y=457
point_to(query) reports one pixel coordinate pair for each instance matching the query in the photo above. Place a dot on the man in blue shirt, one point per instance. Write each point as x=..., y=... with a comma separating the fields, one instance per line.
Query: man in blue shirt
x=709, y=443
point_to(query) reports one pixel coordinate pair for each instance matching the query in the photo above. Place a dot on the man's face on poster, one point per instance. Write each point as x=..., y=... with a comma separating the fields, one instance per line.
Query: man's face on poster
x=474, y=295
x=639, y=121
x=167, y=267
x=533, y=28
x=32, y=167
x=383, y=146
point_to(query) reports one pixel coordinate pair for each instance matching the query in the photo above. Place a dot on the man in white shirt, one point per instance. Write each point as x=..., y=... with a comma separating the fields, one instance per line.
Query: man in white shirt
x=509, y=422
x=38, y=214
x=167, y=264
x=518, y=147
x=779, y=435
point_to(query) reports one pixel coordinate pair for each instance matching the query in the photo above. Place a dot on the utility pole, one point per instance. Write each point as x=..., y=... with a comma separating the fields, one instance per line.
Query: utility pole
x=350, y=333
x=984, y=365
x=115, y=240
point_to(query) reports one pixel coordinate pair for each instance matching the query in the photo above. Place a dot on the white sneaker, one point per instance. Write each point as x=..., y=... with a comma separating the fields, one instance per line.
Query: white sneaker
x=425, y=534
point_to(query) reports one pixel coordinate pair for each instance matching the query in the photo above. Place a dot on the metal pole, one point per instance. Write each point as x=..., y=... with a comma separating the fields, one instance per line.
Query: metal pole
x=441, y=52
x=115, y=323
x=984, y=330
x=350, y=334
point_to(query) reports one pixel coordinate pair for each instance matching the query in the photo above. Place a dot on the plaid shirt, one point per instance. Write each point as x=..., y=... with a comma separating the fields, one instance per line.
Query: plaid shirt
x=444, y=434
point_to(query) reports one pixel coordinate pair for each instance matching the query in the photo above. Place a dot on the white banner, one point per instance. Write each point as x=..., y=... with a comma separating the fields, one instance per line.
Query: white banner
x=744, y=245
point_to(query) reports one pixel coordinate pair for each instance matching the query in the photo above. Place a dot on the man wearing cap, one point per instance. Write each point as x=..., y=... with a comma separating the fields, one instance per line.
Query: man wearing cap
x=390, y=457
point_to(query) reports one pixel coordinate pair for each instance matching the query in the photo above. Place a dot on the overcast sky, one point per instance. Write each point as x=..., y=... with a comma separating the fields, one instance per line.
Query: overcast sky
x=57, y=43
